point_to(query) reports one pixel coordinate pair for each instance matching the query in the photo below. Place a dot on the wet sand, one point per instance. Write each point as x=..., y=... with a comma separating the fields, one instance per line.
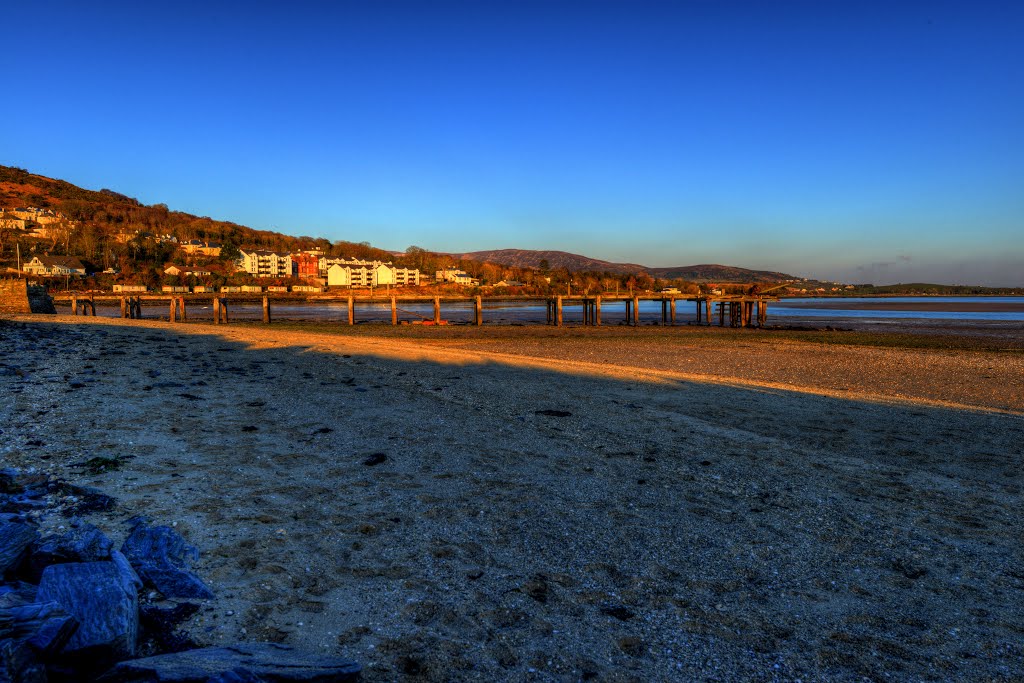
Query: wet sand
x=709, y=509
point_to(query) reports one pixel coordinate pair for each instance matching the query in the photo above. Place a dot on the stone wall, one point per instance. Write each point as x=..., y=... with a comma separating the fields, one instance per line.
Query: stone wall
x=16, y=296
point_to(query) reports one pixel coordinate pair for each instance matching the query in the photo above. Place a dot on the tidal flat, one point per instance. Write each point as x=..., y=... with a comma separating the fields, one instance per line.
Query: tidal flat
x=532, y=503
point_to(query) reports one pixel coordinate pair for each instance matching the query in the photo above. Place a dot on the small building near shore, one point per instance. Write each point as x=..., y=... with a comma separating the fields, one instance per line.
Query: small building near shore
x=50, y=266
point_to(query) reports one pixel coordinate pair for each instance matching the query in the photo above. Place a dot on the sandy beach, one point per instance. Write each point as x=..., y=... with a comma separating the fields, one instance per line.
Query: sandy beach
x=568, y=504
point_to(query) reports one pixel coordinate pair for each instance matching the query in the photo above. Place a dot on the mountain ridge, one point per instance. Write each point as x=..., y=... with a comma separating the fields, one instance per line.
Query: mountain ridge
x=532, y=258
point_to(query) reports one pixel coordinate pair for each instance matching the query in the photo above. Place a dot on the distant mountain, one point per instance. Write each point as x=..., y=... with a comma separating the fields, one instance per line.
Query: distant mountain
x=710, y=272
x=527, y=258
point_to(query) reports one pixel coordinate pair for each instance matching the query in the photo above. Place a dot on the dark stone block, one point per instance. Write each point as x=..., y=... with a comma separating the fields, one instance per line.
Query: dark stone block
x=83, y=543
x=103, y=597
x=245, y=662
x=15, y=539
x=161, y=557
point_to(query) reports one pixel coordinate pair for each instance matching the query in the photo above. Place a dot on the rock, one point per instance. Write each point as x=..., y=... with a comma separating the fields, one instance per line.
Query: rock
x=236, y=676
x=161, y=557
x=88, y=499
x=159, y=627
x=245, y=662
x=17, y=593
x=22, y=502
x=103, y=597
x=83, y=543
x=553, y=413
x=536, y=588
x=19, y=664
x=15, y=539
x=44, y=627
x=620, y=612
x=9, y=481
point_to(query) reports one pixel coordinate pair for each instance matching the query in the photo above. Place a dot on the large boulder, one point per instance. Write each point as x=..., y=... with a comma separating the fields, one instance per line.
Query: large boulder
x=103, y=597
x=162, y=557
x=237, y=663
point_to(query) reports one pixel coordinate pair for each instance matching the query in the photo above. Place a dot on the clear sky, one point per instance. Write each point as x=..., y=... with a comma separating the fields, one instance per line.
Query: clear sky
x=860, y=141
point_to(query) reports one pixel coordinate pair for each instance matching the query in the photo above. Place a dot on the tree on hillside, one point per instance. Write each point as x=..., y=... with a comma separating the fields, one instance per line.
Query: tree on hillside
x=60, y=233
x=229, y=252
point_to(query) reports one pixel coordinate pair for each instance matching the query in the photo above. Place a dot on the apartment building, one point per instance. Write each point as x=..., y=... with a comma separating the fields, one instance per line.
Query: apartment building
x=266, y=263
x=354, y=273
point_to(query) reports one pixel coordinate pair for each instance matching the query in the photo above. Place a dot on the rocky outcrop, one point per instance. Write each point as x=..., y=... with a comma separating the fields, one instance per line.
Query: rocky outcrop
x=161, y=557
x=84, y=617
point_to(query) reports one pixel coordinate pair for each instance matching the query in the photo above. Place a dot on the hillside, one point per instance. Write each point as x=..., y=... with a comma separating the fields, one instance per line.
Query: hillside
x=110, y=225
x=107, y=229
x=525, y=258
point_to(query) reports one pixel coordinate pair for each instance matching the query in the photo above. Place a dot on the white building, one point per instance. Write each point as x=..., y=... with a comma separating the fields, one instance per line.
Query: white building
x=353, y=273
x=265, y=263
x=54, y=265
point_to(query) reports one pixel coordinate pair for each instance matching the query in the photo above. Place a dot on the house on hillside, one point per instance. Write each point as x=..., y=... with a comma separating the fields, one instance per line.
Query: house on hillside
x=48, y=266
x=185, y=272
x=11, y=221
x=200, y=247
x=455, y=276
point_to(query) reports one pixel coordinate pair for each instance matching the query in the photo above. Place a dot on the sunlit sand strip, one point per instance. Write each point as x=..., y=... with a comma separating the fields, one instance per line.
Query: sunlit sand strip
x=411, y=351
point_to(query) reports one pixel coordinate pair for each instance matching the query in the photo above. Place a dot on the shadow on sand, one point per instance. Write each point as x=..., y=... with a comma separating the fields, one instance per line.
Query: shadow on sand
x=659, y=531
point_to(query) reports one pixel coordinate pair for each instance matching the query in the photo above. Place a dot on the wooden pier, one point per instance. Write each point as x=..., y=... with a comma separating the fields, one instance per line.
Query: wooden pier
x=726, y=310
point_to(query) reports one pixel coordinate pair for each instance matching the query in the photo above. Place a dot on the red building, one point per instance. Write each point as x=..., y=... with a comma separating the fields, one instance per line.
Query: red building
x=309, y=264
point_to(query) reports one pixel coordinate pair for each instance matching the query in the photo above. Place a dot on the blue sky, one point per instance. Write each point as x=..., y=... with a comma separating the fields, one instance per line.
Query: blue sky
x=860, y=141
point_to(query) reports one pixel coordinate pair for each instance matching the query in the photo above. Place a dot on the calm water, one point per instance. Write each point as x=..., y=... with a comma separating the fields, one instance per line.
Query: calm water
x=611, y=312
x=806, y=308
